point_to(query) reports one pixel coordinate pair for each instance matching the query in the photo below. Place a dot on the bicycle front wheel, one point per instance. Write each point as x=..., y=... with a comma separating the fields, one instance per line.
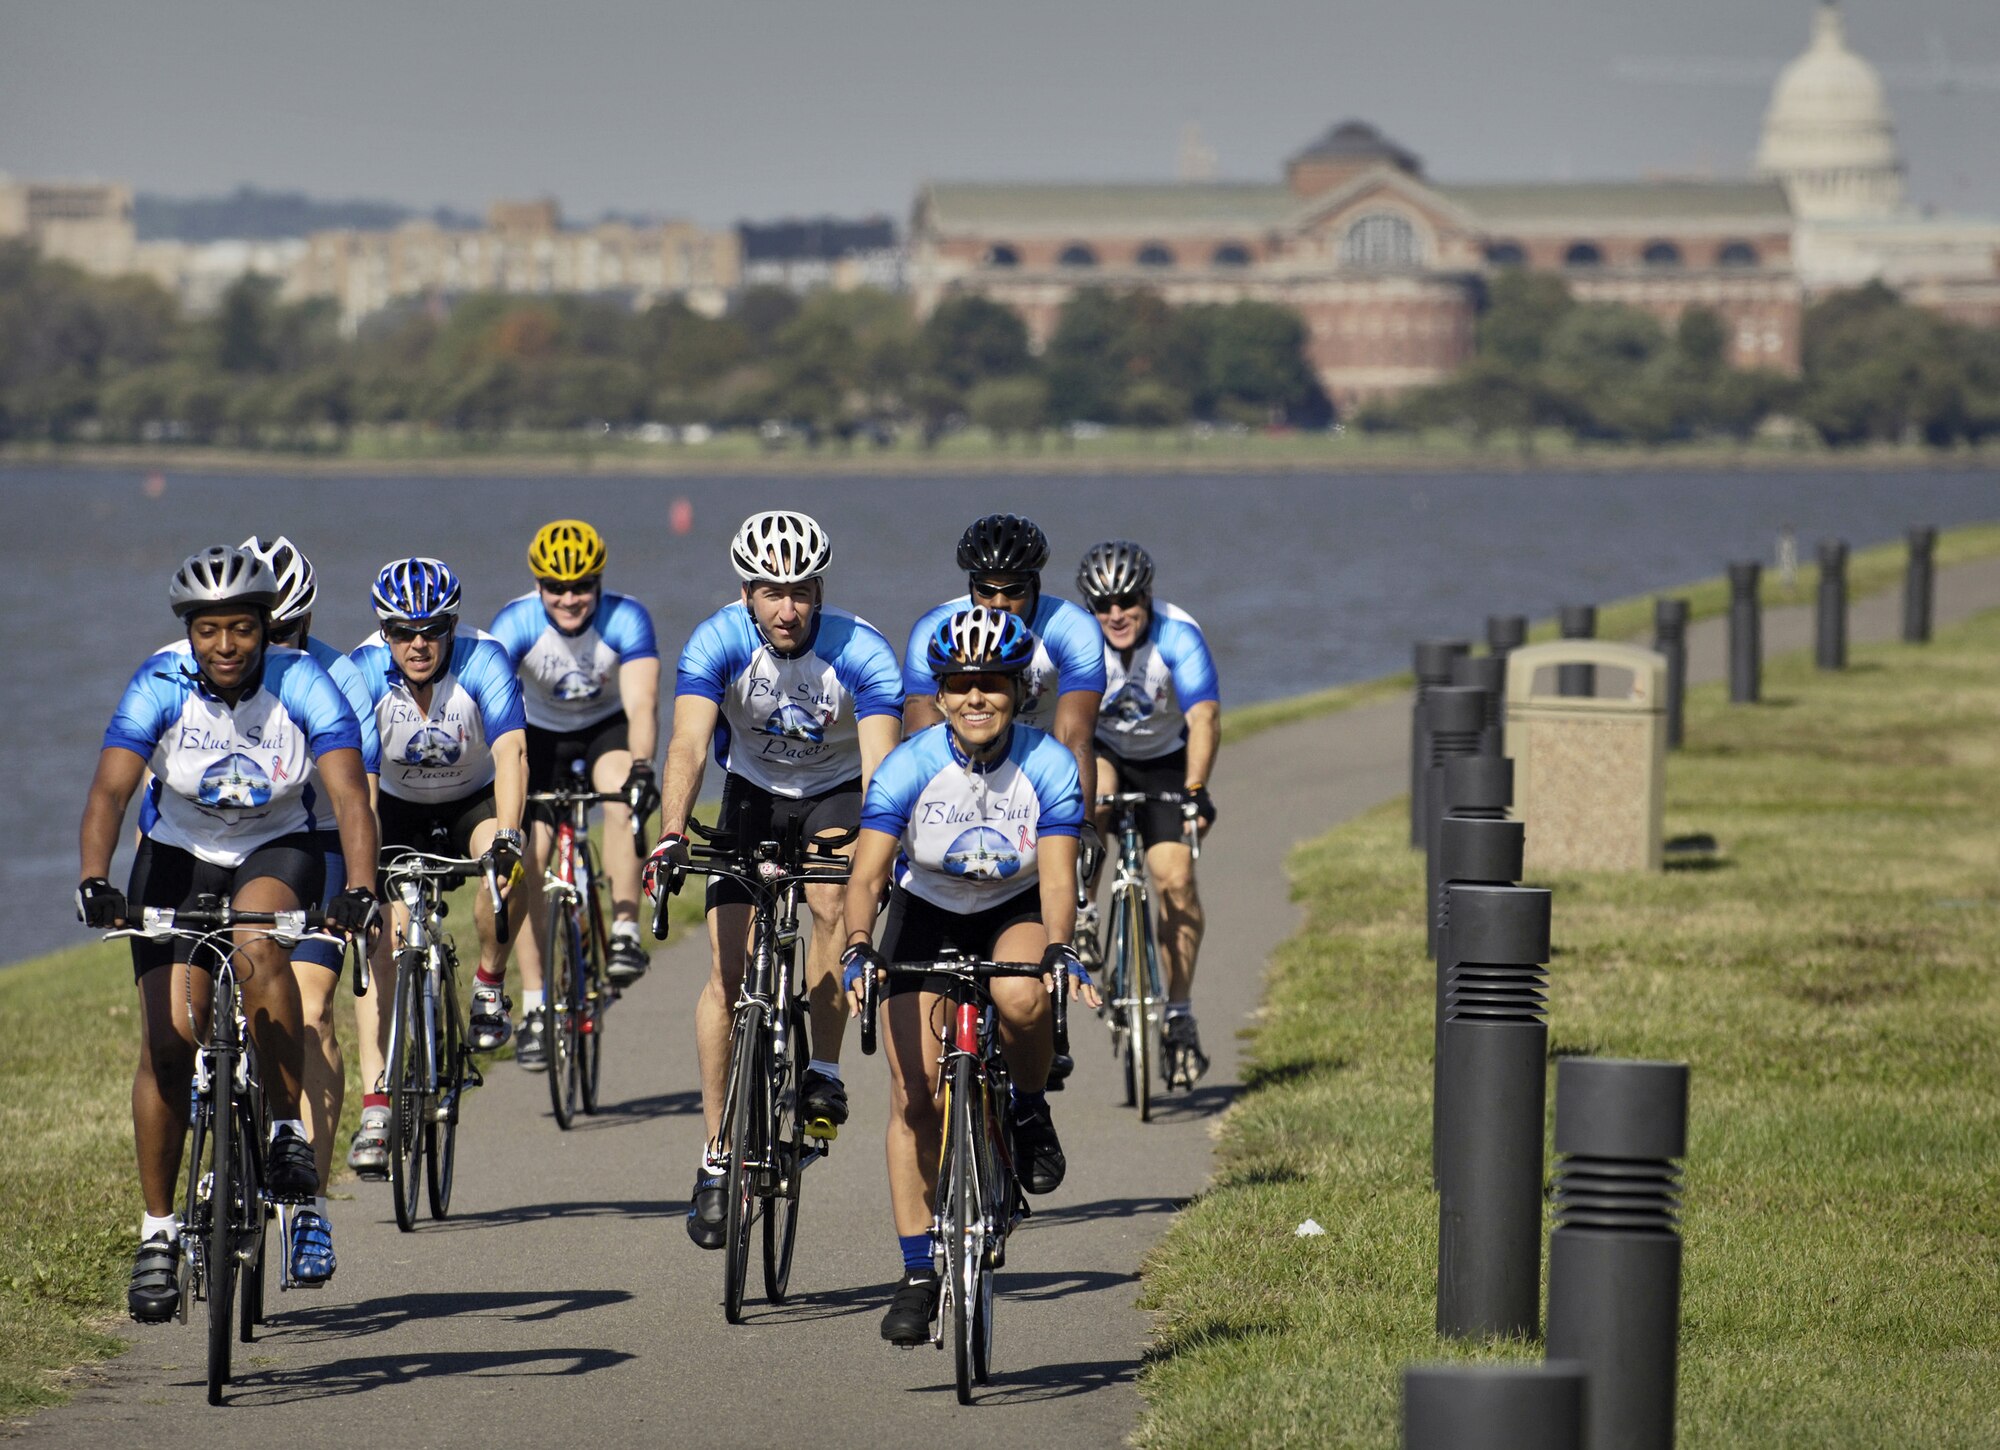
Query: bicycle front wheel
x=564, y=965
x=254, y=1252
x=408, y=1080
x=788, y=1144
x=1139, y=1008
x=593, y=993
x=441, y=1132
x=743, y=1130
x=224, y=1173
x=964, y=1224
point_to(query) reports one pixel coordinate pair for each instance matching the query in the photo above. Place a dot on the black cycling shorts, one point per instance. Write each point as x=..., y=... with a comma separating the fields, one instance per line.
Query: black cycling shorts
x=752, y=814
x=921, y=931
x=1158, y=820
x=325, y=953
x=443, y=828
x=552, y=752
x=165, y=875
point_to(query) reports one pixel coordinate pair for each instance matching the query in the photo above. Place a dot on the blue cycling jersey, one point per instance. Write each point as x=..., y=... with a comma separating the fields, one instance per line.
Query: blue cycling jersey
x=570, y=681
x=1146, y=698
x=789, y=722
x=228, y=780
x=969, y=832
x=1069, y=651
x=445, y=753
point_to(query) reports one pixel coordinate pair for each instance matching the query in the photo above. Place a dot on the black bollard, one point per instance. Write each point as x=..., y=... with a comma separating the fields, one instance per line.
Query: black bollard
x=1478, y=787
x=1919, y=586
x=1489, y=1150
x=1485, y=672
x=1670, y=621
x=1615, y=1254
x=1830, y=629
x=1746, y=634
x=1476, y=847
x=1455, y=725
x=1433, y=668
x=1493, y=1407
x=1505, y=633
x=1577, y=621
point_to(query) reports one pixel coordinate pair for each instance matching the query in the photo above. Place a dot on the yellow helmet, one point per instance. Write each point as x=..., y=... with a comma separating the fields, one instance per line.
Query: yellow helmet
x=566, y=551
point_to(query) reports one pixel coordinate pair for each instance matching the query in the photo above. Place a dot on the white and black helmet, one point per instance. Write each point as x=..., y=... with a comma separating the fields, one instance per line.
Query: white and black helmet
x=1116, y=566
x=298, y=586
x=222, y=574
x=780, y=547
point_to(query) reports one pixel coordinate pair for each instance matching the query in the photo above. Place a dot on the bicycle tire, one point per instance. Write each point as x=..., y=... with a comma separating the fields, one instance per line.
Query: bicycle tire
x=562, y=963
x=1139, y=1039
x=997, y=1191
x=591, y=995
x=788, y=1143
x=223, y=1154
x=192, y=1276
x=742, y=1127
x=441, y=1145
x=964, y=1250
x=406, y=1079
x=255, y=1257
x=1117, y=987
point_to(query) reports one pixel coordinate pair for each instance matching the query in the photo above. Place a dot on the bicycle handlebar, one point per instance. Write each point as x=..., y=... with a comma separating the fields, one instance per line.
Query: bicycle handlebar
x=163, y=923
x=408, y=861
x=972, y=969
x=1190, y=812
x=564, y=799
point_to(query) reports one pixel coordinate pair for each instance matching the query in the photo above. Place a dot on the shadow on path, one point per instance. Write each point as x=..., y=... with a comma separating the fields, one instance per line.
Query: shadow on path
x=640, y=1110
x=1104, y=1208
x=373, y=1316
x=375, y=1371
x=825, y=1304
x=544, y=1212
x=1060, y=1381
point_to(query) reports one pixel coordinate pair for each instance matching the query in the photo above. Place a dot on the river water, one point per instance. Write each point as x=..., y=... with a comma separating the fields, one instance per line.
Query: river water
x=1299, y=581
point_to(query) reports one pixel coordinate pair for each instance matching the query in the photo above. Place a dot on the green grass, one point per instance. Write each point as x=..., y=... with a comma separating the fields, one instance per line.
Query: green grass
x=1831, y=980
x=69, y=1194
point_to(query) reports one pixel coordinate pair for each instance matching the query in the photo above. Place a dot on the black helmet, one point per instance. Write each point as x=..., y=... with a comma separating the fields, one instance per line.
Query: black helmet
x=1003, y=544
x=1116, y=566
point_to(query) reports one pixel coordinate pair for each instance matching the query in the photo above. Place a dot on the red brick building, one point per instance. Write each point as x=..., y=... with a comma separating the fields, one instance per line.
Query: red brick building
x=1385, y=265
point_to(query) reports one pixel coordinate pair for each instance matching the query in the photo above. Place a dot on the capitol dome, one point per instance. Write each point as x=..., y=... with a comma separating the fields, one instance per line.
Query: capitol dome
x=1828, y=135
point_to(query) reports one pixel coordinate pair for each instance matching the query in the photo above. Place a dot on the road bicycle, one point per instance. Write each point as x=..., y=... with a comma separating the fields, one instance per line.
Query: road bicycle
x=769, y=1144
x=430, y=1063
x=228, y=1213
x=1134, y=999
x=978, y=1195
x=578, y=994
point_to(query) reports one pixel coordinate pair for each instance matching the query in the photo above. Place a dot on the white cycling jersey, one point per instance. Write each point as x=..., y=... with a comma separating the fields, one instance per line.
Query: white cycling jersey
x=1146, y=698
x=570, y=681
x=444, y=753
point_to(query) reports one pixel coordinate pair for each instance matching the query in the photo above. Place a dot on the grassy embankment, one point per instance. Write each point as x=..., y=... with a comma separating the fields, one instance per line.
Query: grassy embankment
x=69, y=1198
x=1830, y=977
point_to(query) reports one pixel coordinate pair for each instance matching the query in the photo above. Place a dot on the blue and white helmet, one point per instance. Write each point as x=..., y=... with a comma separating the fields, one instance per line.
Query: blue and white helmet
x=980, y=639
x=416, y=589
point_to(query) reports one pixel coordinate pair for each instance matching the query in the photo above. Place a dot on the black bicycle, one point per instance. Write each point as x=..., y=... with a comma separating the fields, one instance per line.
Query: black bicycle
x=228, y=1211
x=769, y=1144
x=1134, y=1000
x=978, y=1196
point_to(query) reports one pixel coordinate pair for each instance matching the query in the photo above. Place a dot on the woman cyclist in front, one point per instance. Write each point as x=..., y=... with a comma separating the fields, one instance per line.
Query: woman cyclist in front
x=985, y=815
x=240, y=740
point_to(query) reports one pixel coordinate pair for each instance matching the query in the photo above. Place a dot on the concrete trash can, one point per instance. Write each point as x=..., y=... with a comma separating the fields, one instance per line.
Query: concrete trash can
x=1589, y=774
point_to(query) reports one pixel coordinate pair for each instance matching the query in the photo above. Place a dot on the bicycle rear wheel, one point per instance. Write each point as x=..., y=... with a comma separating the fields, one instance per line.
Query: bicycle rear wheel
x=223, y=1171
x=1139, y=1045
x=407, y=1078
x=592, y=995
x=743, y=1128
x=564, y=965
x=788, y=1149
x=964, y=1224
x=441, y=1129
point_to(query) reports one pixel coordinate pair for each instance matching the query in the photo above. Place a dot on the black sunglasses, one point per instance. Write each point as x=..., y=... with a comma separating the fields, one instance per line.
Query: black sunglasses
x=283, y=633
x=964, y=682
x=987, y=589
x=404, y=633
x=1105, y=603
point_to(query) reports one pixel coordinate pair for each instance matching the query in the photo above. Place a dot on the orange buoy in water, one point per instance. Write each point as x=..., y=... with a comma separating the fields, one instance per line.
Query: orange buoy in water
x=155, y=485
x=680, y=518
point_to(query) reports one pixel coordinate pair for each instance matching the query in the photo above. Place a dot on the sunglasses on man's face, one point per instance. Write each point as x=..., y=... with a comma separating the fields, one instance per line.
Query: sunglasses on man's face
x=1105, y=603
x=582, y=588
x=405, y=633
x=989, y=589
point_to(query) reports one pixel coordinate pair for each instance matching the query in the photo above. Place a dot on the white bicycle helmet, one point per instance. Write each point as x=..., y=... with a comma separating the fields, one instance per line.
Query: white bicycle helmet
x=780, y=547
x=222, y=574
x=298, y=586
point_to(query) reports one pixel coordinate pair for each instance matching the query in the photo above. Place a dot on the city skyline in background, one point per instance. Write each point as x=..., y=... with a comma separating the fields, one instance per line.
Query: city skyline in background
x=778, y=108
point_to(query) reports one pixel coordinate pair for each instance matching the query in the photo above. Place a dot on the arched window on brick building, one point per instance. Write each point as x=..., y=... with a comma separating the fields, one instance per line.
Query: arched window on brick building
x=1380, y=239
x=1000, y=254
x=1506, y=254
x=1583, y=254
x=1231, y=254
x=1661, y=254
x=1736, y=254
x=1154, y=254
x=1076, y=254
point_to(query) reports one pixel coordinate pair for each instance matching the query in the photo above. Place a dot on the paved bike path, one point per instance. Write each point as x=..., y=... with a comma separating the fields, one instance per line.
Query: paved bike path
x=564, y=1303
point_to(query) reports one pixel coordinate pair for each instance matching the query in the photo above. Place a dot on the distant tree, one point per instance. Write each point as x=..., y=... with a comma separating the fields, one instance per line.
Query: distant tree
x=1256, y=365
x=1150, y=405
x=1008, y=406
x=245, y=326
x=969, y=339
x=763, y=312
x=1522, y=310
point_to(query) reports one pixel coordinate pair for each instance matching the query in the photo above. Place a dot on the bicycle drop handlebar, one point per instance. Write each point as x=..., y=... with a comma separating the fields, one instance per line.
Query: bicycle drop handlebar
x=971, y=969
x=1190, y=812
x=194, y=923
x=763, y=866
x=450, y=870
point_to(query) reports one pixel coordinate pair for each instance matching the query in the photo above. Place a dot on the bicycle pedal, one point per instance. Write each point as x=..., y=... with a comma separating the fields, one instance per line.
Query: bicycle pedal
x=473, y=1079
x=825, y=1129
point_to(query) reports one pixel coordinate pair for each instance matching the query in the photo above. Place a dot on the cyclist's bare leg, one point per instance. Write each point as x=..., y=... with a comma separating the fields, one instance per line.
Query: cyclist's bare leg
x=166, y=1068
x=728, y=936
x=1181, y=919
x=1027, y=1036
x=916, y=1121
x=532, y=913
x=1100, y=816
x=492, y=955
x=827, y=1001
x=325, y=1085
x=271, y=998
x=371, y=1013
x=621, y=859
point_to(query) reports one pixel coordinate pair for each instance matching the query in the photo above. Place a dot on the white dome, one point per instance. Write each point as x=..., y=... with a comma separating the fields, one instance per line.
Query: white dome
x=1828, y=134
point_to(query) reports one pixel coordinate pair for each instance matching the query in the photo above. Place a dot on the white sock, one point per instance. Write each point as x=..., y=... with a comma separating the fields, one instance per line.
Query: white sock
x=531, y=1001
x=625, y=928
x=287, y=1125
x=824, y=1069
x=167, y=1227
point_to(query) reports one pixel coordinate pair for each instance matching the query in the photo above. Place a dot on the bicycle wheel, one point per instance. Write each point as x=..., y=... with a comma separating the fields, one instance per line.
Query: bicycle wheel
x=997, y=1196
x=592, y=994
x=1117, y=987
x=441, y=1131
x=253, y=1254
x=1139, y=1007
x=224, y=1217
x=563, y=964
x=194, y=1231
x=964, y=1223
x=788, y=1148
x=407, y=1078
x=743, y=1128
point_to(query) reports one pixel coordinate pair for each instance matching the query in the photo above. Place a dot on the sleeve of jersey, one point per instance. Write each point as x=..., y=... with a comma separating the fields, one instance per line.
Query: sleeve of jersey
x=490, y=676
x=872, y=675
x=144, y=711
x=1192, y=665
x=893, y=793
x=1058, y=787
x=917, y=676
x=706, y=663
x=311, y=698
x=1077, y=645
x=629, y=631
x=517, y=626
x=348, y=677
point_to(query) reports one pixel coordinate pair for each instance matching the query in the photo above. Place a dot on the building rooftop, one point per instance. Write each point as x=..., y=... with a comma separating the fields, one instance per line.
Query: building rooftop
x=1505, y=204
x=1359, y=141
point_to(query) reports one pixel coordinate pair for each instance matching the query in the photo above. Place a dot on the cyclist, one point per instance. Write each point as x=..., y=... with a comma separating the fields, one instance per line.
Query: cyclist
x=239, y=737
x=978, y=818
x=317, y=964
x=590, y=683
x=801, y=702
x=454, y=765
x=1158, y=731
